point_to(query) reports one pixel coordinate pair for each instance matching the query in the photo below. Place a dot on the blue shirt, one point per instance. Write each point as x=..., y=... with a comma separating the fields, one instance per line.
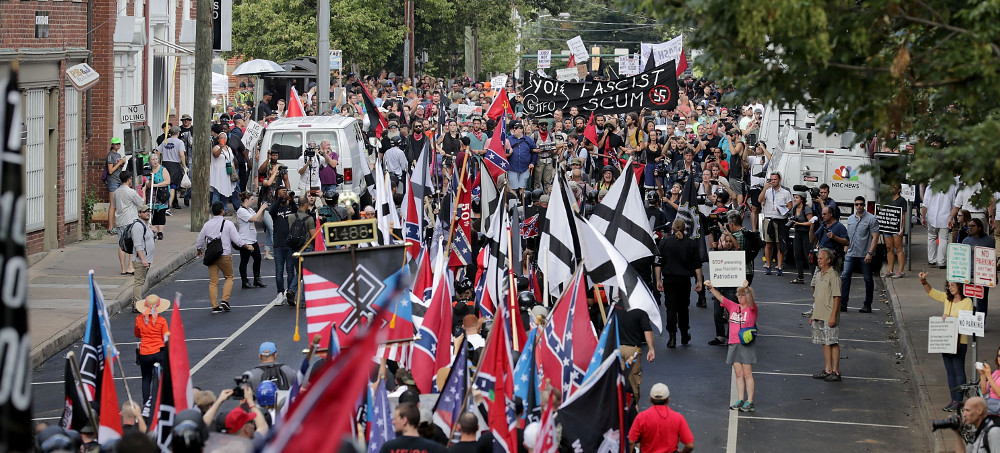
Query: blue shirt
x=859, y=232
x=838, y=229
x=520, y=153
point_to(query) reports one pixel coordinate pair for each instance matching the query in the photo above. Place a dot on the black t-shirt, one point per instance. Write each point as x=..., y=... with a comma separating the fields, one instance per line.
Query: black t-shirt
x=279, y=216
x=678, y=256
x=411, y=444
x=414, y=147
x=632, y=326
x=469, y=446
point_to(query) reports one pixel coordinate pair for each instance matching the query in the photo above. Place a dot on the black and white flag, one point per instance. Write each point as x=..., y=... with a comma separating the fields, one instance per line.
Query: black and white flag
x=621, y=217
x=388, y=217
x=607, y=266
x=559, y=245
x=496, y=256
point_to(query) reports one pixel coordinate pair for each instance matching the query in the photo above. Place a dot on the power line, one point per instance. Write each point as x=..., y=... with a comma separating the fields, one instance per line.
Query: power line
x=637, y=27
x=556, y=19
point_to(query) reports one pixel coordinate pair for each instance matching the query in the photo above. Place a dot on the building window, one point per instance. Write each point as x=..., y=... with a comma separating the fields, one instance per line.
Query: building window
x=71, y=145
x=34, y=159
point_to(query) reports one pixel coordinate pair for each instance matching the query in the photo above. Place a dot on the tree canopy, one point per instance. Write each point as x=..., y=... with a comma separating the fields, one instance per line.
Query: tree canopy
x=926, y=70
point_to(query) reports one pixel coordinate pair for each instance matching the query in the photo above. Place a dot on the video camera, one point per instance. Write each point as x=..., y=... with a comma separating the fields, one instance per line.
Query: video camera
x=662, y=168
x=547, y=147
x=310, y=151
x=238, y=393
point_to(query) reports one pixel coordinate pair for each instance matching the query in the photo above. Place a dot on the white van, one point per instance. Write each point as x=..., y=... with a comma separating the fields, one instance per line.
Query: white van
x=290, y=136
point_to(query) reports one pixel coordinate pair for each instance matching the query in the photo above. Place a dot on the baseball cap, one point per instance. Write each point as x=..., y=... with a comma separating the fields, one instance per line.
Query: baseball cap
x=268, y=348
x=144, y=208
x=185, y=117
x=237, y=117
x=237, y=418
x=116, y=141
x=658, y=392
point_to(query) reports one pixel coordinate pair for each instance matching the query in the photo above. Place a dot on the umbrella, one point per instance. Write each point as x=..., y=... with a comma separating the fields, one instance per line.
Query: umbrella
x=258, y=66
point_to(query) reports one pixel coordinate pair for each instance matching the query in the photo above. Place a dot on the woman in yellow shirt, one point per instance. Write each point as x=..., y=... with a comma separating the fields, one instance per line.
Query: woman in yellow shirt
x=150, y=329
x=954, y=364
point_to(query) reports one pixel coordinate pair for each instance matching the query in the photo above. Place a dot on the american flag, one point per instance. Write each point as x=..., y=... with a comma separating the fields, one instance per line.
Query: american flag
x=496, y=154
x=529, y=228
x=380, y=419
x=449, y=403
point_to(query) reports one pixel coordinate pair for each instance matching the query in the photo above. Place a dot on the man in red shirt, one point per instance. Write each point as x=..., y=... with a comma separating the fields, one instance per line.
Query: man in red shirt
x=658, y=429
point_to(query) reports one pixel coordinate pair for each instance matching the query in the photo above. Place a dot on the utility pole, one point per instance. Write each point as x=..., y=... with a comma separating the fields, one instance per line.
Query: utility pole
x=323, y=57
x=408, y=44
x=201, y=129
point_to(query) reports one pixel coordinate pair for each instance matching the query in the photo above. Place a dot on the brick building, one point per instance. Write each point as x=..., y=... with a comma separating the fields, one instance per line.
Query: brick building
x=143, y=51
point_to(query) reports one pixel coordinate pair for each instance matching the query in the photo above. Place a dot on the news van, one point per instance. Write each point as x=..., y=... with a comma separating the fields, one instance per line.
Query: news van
x=806, y=156
x=291, y=136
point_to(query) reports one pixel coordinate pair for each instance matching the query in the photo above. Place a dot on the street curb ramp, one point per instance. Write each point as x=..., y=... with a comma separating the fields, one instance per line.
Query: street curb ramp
x=76, y=329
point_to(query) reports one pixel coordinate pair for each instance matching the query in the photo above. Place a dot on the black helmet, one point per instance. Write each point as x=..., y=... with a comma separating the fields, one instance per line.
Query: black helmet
x=722, y=195
x=396, y=140
x=526, y=300
x=592, y=196
x=608, y=168
x=652, y=197
x=462, y=286
x=190, y=432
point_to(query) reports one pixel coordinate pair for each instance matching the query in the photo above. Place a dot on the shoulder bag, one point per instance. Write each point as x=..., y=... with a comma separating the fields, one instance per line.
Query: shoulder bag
x=213, y=250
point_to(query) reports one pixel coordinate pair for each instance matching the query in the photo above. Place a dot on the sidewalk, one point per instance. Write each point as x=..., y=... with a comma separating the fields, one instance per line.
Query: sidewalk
x=58, y=295
x=912, y=308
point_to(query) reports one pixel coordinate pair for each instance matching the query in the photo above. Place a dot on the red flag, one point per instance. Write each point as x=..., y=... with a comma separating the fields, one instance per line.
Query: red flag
x=294, y=105
x=590, y=133
x=180, y=369
x=496, y=377
x=378, y=122
x=412, y=222
x=432, y=351
x=423, y=284
x=546, y=442
x=461, y=245
x=111, y=421
x=637, y=168
x=500, y=105
x=533, y=282
x=320, y=244
x=496, y=154
x=682, y=63
x=331, y=398
x=569, y=340
x=572, y=61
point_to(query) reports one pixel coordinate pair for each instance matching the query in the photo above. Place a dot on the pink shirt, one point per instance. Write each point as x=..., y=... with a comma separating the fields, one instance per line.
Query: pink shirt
x=739, y=318
x=996, y=378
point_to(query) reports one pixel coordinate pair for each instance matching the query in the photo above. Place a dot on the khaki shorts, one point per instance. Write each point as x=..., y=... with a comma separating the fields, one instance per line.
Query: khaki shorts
x=771, y=232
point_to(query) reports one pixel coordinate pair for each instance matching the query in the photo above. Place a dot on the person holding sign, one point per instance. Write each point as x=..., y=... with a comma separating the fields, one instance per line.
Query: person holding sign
x=954, y=364
x=742, y=351
x=894, y=240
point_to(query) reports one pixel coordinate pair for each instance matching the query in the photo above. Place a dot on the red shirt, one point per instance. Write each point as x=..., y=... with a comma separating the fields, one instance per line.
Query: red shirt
x=658, y=429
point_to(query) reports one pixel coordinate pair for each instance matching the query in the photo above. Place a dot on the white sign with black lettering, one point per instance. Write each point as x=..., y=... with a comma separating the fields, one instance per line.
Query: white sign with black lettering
x=579, y=50
x=942, y=335
x=727, y=269
x=252, y=135
x=544, y=59
x=498, y=82
x=133, y=113
x=908, y=192
x=970, y=323
x=567, y=74
x=628, y=66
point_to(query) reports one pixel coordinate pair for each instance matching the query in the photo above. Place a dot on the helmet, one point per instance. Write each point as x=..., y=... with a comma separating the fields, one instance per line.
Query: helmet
x=526, y=300
x=396, y=140
x=652, y=197
x=55, y=438
x=592, y=196
x=722, y=195
x=190, y=432
x=463, y=285
x=266, y=393
x=608, y=168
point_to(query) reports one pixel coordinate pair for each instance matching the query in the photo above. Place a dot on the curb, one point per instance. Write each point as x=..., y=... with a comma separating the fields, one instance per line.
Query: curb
x=75, y=331
x=935, y=440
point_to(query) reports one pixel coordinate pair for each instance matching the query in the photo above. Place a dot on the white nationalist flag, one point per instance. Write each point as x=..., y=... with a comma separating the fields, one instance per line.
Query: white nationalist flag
x=621, y=218
x=559, y=245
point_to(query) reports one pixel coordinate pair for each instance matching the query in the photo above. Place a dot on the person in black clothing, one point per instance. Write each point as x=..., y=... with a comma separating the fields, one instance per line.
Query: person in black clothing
x=263, y=109
x=283, y=208
x=634, y=329
x=677, y=261
x=240, y=152
x=468, y=425
x=415, y=141
x=405, y=419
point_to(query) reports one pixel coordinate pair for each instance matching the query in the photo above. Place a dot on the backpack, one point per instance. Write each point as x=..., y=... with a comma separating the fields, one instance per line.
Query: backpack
x=272, y=372
x=125, y=242
x=753, y=243
x=298, y=231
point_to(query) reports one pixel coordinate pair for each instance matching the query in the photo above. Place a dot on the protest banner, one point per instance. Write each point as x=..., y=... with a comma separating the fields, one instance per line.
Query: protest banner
x=942, y=335
x=655, y=89
x=727, y=269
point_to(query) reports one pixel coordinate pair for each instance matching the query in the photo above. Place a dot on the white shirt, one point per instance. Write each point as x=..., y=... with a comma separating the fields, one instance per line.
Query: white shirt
x=757, y=160
x=775, y=198
x=938, y=206
x=217, y=176
x=248, y=230
x=313, y=169
x=963, y=199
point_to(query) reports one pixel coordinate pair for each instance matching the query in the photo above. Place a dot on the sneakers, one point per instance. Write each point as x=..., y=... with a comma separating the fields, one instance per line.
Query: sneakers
x=952, y=406
x=216, y=310
x=865, y=309
x=821, y=375
x=169, y=213
x=268, y=256
x=797, y=281
x=832, y=377
x=224, y=305
x=807, y=314
x=767, y=270
x=737, y=405
x=898, y=275
x=747, y=407
x=777, y=271
x=279, y=299
x=685, y=338
x=159, y=236
x=717, y=341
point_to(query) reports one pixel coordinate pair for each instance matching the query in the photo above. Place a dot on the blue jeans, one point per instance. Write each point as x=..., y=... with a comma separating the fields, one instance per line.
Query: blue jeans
x=850, y=263
x=233, y=198
x=329, y=190
x=268, y=230
x=284, y=264
x=954, y=365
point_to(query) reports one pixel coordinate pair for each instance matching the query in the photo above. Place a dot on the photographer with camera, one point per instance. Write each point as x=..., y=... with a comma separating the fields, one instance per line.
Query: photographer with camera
x=777, y=202
x=548, y=149
x=983, y=436
x=686, y=167
x=309, y=162
x=328, y=168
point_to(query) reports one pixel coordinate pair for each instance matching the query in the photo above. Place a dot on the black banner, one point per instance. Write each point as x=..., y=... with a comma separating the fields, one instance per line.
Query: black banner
x=655, y=89
x=15, y=369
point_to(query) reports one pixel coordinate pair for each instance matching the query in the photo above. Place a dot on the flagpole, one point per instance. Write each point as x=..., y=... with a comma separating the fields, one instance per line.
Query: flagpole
x=600, y=303
x=468, y=389
x=77, y=382
x=545, y=273
x=458, y=194
x=128, y=393
x=511, y=290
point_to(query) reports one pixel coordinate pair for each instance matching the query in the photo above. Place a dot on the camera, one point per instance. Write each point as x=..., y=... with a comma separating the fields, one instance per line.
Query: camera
x=238, y=393
x=547, y=147
x=282, y=170
x=952, y=422
x=310, y=152
x=662, y=168
x=682, y=176
x=147, y=170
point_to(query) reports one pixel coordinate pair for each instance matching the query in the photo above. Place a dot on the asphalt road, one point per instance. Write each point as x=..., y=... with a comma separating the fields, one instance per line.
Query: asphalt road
x=872, y=409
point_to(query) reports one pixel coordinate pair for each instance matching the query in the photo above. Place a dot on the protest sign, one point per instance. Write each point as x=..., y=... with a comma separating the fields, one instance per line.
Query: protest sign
x=567, y=74
x=578, y=49
x=727, y=269
x=252, y=135
x=629, y=66
x=890, y=218
x=655, y=89
x=544, y=59
x=942, y=335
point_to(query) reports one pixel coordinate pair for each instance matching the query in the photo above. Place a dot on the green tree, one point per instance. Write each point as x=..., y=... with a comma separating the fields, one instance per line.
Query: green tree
x=927, y=70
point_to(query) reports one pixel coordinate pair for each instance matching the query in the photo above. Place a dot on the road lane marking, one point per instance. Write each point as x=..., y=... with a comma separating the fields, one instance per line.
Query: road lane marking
x=188, y=280
x=803, y=337
x=63, y=382
x=860, y=378
x=831, y=422
x=209, y=307
x=230, y=339
x=734, y=416
x=801, y=305
x=186, y=339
